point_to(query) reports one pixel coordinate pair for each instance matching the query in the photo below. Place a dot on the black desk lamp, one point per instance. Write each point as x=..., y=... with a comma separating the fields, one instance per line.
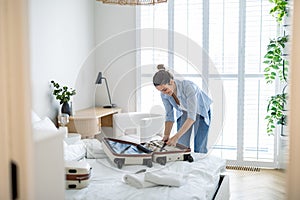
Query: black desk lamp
x=99, y=81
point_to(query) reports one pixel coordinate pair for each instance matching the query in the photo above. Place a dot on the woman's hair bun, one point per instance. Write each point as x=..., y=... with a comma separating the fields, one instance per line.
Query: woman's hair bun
x=161, y=67
x=162, y=76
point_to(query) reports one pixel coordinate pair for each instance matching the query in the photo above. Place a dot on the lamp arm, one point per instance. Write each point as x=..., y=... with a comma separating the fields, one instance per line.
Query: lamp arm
x=107, y=90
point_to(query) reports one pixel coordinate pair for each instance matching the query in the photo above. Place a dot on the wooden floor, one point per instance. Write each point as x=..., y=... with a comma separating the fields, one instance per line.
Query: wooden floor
x=267, y=184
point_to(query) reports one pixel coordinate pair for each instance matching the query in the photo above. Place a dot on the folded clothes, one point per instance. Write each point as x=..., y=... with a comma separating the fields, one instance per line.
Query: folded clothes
x=137, y=180
x=155, y=178
x=161, y=177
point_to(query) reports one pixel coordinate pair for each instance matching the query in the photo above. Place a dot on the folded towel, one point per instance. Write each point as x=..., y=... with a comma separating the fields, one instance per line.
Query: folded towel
x=165, y=178
x=137, y=180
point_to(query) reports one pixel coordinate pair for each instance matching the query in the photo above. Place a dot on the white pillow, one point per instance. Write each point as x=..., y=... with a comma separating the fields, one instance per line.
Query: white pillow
x=34, y=117
x=75, y=151
x=44, y=125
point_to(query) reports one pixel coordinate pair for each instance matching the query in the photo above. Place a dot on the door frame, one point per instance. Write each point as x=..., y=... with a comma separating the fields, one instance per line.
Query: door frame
x=16, y=142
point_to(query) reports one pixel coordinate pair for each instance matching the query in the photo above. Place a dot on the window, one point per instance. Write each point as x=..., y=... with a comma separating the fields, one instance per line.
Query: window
x=234, y=34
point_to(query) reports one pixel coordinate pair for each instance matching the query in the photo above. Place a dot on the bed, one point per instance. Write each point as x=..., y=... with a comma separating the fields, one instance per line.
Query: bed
x=201, y=179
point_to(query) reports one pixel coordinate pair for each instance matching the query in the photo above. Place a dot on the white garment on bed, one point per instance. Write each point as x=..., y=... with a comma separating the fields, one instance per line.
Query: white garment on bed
x=154, y=178
x=201, y=180
x=137, y=180
x=162, y=177
x=94, y=149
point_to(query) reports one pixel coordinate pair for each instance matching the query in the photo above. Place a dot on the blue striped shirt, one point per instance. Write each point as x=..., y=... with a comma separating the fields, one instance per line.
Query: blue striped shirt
x=192, y=99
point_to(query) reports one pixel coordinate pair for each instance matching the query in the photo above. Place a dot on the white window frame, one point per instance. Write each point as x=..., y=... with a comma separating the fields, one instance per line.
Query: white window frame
x=241, y=76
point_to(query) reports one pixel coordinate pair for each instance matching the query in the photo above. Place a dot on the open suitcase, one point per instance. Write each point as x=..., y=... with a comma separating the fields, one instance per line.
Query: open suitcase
x=77, y=174
x=123, y=152
x=163, y=154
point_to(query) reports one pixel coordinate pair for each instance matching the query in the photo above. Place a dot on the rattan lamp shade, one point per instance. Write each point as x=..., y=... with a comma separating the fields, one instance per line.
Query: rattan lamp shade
x=133, y=2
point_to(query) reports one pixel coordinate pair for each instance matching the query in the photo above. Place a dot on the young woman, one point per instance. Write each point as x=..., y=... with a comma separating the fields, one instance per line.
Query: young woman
x=192, y=107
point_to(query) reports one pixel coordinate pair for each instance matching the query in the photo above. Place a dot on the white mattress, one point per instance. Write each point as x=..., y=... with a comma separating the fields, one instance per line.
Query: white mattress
x=106, y=181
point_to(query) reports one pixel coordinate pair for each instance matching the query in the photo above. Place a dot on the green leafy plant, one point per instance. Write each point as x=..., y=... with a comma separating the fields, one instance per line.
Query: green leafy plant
x=279, y=10
x=62, y=93
x=277, y=67
x=275, y=112
x=276, y=64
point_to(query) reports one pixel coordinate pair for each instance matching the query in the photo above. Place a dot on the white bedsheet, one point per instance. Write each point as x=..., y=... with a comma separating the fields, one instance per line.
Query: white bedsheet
x=106, y=182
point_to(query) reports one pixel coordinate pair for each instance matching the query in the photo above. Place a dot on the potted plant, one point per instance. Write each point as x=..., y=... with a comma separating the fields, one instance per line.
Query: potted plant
x=63, y=94
x=276, y=60
x=277, y=65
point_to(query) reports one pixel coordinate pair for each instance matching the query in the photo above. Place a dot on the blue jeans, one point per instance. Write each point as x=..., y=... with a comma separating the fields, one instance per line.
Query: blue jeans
x=200, y=133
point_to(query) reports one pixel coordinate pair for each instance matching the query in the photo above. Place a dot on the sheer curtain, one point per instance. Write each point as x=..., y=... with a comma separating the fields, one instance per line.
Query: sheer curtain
x=234, y=34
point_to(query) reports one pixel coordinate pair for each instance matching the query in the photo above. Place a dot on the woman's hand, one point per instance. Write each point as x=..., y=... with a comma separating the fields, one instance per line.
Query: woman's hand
x=166, y=138
x=173, y=140
x=185, y=127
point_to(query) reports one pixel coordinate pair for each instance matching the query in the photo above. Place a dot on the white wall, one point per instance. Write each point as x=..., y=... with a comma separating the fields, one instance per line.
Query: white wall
x=115, y=54
x=61, y=38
